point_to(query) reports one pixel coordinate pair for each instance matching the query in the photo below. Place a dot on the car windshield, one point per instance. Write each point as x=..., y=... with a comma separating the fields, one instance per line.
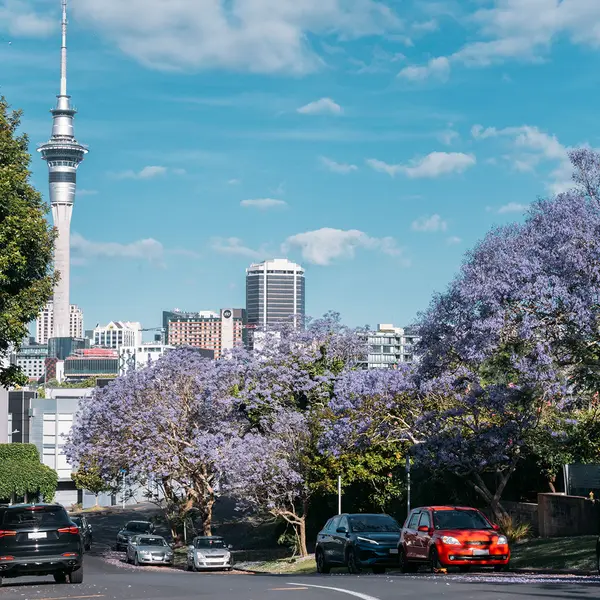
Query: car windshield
x=207, y=543
x=373, y=523
x=137, y=526
x=35, y=517
x=147, y=541
x=460, y=519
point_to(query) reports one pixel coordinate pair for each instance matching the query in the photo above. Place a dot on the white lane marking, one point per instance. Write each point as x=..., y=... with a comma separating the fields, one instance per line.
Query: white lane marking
x=341, y=590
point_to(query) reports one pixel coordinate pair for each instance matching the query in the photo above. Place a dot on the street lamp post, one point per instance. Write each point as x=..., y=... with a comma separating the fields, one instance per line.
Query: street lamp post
x=408, y=485
x=123, y=471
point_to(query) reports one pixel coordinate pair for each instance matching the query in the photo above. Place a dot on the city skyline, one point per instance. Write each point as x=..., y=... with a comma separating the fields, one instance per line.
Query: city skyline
x=373, y=156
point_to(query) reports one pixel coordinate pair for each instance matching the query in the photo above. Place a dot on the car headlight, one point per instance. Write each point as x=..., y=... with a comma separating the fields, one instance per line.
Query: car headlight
x=364, y=539
x=200, y=555
x=502, y=540
x=450, y=541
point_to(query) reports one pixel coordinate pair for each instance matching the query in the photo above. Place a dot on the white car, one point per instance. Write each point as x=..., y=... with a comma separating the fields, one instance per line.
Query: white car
x=149, y=550
x=209, y=552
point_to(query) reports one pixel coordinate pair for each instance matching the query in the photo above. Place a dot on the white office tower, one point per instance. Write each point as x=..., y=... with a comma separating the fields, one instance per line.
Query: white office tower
x=117, y=334
x=63, y=153
x=44, y=324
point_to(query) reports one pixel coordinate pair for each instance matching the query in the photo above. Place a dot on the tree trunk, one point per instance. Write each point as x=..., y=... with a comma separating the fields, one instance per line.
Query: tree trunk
x=206, y=515
x=97, y=501
x=551, y=482
x=301, y=529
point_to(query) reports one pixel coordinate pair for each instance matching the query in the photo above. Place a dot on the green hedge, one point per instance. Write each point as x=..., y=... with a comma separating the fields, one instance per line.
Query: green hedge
x=21, y=472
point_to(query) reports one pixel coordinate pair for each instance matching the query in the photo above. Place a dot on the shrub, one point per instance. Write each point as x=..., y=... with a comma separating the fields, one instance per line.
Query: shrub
x=513, y=529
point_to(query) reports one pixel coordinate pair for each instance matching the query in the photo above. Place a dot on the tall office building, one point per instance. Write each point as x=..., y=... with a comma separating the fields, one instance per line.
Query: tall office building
x=62, y=153
x=206, y=329
x=275, y=293
x=44, y=324
x=117, y=334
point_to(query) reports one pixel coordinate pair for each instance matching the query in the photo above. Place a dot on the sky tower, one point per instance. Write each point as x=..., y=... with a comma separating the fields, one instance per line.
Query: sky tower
x=63, y=153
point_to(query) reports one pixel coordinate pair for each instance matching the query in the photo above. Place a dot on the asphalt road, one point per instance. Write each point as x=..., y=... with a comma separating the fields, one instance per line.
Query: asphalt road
x=105, y=581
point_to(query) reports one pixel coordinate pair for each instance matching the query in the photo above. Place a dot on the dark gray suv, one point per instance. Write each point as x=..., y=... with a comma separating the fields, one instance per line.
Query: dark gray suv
x=40, y=539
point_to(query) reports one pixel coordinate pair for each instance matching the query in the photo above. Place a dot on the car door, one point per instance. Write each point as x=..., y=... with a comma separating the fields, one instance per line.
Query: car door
x=339, y=538
x=409, y=535
x=326, y=541
x=423, y=537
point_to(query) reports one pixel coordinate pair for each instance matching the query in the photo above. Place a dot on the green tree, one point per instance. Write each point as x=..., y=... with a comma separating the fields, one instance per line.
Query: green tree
x=26, y=243
x=23, y=476
x=91, y=479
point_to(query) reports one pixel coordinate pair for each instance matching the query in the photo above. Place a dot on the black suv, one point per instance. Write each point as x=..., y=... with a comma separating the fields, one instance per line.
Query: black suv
x=358, y=541
x=132, y=528
x=85, y=529
x=40, y=539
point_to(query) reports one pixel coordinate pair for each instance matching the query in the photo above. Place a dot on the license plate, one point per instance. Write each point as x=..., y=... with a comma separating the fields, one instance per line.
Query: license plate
x=481, y=552
x=393, y=550
x=37, y=535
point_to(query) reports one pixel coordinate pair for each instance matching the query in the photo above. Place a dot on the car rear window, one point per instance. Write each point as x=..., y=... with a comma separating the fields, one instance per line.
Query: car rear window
x=460, y=519
x=137, y=526
x=37, y=517
x=144, y=541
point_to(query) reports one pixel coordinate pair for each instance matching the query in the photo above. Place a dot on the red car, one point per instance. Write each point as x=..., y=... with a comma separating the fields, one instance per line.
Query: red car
x=446, y=536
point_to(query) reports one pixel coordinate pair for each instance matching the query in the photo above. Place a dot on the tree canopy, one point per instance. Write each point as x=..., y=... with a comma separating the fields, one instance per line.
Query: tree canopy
x=26, y=243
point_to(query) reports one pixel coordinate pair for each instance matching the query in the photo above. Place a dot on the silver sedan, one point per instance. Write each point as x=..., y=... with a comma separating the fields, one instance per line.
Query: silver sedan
x=209, y=552
x=149, y=549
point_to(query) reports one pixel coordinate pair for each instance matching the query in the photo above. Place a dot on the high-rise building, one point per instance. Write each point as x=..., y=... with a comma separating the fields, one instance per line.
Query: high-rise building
x=44, y=324
x=62, y=153
x=118, y=333
x=275, y=293
x=389, y=346
x=205, y=329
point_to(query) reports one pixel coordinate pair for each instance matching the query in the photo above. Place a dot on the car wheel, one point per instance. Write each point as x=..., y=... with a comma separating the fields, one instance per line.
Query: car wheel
x=353, y=561
x=378, y=570
x=434, y=560
x=598, y=562
x=405, y=565
x=322, y=566
x=194, y=567
x=76, y=576
x=464, y=568
x=136, y=560
x=60, y=577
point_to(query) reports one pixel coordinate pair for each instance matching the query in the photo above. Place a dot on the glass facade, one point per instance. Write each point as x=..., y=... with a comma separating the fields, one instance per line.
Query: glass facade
x=275, y=293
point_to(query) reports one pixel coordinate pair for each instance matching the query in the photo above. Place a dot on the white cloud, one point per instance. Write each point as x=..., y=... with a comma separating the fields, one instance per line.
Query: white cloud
x=531, y=147
x=448, y=136
x=453, y=240
x=438, y=68
x=19, y=18
x=145, y=173
x=322, y=246
x=323, y=106
x=263, y=203
x=430, y=224
x=336, y=167
x=512, y=207
x=425, y=26
x=233, y=245
x=522, y=30
x=147, y=249
x=430, y=166
x=261, y=36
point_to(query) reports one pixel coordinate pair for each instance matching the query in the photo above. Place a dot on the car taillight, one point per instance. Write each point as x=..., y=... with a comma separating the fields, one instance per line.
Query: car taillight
x=70, y=554
x=69, y=530
x=4, y=533
x=6, y=558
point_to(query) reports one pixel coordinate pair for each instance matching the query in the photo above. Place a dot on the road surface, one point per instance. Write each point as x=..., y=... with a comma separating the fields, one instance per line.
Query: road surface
x=105, y=581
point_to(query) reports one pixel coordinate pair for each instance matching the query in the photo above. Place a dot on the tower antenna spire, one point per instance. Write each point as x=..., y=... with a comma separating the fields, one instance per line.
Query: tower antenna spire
x=63, y=51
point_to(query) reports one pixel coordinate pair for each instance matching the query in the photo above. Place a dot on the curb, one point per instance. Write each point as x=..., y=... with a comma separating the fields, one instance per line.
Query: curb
x=579, y=572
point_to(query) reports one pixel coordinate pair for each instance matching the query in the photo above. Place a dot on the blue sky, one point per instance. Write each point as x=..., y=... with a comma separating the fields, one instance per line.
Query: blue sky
x=372, y=142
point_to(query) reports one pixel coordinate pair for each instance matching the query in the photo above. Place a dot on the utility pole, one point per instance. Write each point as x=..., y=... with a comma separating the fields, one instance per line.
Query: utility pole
x=408, y=485
x=339, y=494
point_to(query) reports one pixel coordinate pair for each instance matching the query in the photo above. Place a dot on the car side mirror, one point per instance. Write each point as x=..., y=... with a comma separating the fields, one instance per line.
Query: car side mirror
x=341, y=530
x=496, y=527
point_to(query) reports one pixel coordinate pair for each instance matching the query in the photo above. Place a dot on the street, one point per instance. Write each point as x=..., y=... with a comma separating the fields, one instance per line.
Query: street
x=109, y=582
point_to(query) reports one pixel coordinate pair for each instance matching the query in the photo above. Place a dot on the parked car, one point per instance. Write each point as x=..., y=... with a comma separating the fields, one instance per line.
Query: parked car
x=446, y=536
x=149, y=549
x=209, y=552
x=85, y=530
x=132, y=528
x=358, y=541
x=40, y=539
